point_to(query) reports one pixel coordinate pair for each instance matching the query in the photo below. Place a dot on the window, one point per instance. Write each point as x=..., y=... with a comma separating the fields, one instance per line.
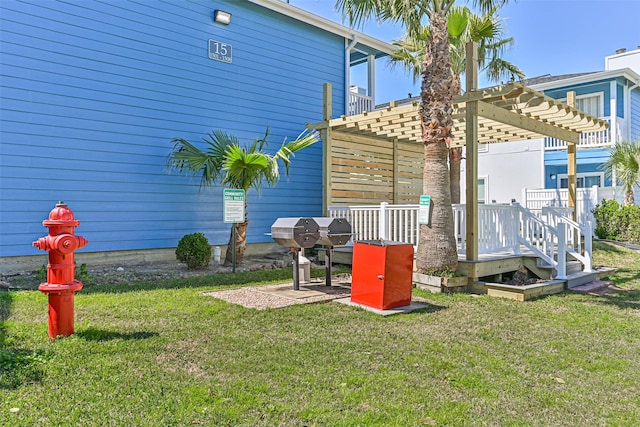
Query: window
x=592, y=103
x=482, y=190
x=582, y=180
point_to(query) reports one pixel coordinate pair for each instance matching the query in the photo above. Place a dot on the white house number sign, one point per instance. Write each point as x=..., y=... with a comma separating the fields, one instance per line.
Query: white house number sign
x=219, y=51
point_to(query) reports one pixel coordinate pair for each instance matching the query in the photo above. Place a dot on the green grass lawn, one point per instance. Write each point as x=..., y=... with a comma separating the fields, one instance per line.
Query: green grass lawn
x=162, y=354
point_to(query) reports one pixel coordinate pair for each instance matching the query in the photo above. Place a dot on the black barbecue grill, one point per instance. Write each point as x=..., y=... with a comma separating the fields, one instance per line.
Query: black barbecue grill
x=299, y=233
x=296, y=233
x=333, y=232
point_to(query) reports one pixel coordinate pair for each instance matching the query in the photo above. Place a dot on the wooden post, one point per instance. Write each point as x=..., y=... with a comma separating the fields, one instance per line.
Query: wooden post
x=396, y=165
x=396, y=171
x=472, y=153
x=572, y=163
x=325, y=134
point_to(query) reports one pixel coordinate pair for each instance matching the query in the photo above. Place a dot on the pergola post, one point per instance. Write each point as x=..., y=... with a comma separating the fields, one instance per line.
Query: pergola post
x=472, y=153
x=325, y=135
x=572, y=163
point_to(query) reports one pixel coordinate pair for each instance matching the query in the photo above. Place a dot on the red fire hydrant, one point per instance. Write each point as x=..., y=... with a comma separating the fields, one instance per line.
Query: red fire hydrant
x=61, y=284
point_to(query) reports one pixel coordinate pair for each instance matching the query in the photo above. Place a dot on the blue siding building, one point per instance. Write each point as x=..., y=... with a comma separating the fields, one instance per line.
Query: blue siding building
x=534, y=172
x=610, y=95
x=91, y=94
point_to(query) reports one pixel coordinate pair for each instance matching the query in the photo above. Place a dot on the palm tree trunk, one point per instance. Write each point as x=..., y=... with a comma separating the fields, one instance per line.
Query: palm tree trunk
x=629, y=197
x=437, y=247
x=241, y=239
x=241, y=243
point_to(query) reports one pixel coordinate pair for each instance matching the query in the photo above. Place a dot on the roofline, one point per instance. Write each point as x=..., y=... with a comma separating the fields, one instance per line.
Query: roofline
x=627, y=73
x=619, y=55
x=324, y=24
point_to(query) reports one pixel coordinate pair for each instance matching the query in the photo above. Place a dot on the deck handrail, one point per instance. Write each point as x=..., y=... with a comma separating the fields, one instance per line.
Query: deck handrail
x=574, y=232
x=547, y=242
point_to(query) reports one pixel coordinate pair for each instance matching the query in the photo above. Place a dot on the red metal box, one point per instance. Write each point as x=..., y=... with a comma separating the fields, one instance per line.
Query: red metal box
x=381, y=274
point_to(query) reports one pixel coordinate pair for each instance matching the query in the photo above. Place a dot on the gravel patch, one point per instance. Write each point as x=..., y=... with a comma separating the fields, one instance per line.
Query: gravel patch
x=282, y=295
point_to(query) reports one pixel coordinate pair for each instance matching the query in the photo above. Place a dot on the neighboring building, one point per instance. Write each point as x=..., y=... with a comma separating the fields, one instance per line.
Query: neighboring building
x=613, y=94
x=93, y=92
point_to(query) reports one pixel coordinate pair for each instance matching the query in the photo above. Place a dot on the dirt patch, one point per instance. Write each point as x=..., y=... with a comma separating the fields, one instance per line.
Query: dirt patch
x=607, y=290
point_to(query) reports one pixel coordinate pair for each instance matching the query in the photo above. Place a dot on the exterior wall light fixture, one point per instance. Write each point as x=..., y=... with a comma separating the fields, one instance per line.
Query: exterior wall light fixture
x=222, y=17
x=552, y=176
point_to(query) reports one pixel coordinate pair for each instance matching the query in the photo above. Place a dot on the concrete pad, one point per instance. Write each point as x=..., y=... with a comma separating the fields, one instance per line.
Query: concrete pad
x=308, y=291
x=388, y=312
x=591, y=286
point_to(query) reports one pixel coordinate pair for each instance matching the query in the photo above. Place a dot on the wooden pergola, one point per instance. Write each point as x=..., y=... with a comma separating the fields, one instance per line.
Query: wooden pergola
x=511, y=112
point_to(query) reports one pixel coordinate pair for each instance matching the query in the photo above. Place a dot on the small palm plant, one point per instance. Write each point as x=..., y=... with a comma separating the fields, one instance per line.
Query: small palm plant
x=228, y=163
x=624, y=159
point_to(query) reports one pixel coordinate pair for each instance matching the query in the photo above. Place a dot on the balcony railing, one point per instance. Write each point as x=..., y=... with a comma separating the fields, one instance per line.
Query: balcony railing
x=359, y=103
x=605, y=138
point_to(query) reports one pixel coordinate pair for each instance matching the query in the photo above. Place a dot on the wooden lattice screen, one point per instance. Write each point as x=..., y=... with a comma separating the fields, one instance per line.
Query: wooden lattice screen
x=368, y=170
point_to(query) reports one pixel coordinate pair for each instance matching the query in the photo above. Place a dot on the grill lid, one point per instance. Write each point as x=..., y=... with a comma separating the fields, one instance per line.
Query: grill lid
x=333, y=231
x=295, y=232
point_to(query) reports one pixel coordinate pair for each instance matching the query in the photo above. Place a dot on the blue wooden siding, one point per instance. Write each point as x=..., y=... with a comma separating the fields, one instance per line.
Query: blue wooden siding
x=92, y=93
x=586, y=89
x=620, y=101
x=635, y=115
x=586, y=161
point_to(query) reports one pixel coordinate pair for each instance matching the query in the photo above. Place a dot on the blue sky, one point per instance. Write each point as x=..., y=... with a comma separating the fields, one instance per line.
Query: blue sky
x=551, y=37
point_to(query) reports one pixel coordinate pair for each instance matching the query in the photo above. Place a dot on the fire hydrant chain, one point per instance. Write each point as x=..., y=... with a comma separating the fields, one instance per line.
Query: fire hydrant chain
x=61, y=284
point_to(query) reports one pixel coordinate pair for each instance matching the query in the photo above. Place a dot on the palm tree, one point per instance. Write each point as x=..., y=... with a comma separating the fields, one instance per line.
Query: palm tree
x=225, y=161
x=437, y=246
x=487, y=30
x=624, y=159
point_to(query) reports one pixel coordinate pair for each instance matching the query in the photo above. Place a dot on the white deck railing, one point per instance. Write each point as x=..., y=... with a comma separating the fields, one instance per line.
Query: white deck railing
x=383, y=221
x=500, y=228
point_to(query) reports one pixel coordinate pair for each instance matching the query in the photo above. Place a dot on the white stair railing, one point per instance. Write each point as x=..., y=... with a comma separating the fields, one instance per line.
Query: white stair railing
x=574, y=232
x=545, y=241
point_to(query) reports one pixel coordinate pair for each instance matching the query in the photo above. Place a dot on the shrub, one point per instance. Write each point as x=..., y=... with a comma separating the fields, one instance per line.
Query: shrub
x=194, y=250
x=617, y=222
x=630, y=223
x=604, y=215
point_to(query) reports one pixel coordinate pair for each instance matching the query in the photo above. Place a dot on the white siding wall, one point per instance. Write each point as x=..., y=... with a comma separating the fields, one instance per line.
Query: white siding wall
x=509, y=167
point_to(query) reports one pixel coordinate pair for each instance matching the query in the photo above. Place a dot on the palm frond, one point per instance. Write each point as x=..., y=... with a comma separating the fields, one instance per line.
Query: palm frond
x=498, y=69
x=288, y=149
x=244, y=169
x=487, y=29
x=624, y=158
x=188, y=158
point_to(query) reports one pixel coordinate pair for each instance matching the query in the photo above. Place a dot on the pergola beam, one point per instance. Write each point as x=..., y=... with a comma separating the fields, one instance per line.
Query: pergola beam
x=522, y=122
